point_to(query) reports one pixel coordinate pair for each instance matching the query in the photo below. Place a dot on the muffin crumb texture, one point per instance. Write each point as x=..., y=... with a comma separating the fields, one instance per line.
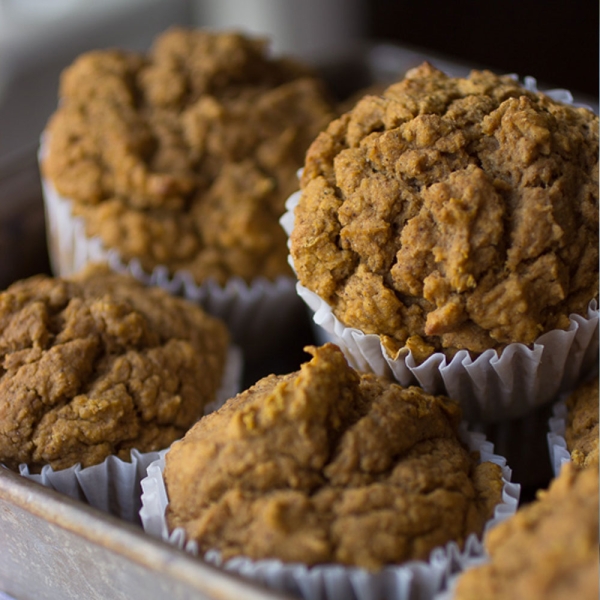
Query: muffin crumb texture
x=328, y=466
x=98, y=365
x=184, y=156
x=548, y=550
x=451, y=214
x=582, y=424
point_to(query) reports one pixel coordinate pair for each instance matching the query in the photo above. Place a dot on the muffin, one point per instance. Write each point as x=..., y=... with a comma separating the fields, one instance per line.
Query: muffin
x=181, y=159
x=97, y=365
x=326, y=466
x=573, y=432
x=452, y=219
x=548, y=549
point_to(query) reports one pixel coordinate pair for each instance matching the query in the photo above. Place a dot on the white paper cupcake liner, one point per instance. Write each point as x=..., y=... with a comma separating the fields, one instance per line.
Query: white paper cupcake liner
x=414, y=579
x=113, y=486
x=490, y=388
x=557, y=444
x=255, y=313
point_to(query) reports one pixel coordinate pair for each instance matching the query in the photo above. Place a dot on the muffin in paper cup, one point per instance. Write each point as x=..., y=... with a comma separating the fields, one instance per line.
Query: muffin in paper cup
x=179, y=160
x=238, y=430
x=99, y=373
x=573, y=428
x=494, y=378
x=424, y=578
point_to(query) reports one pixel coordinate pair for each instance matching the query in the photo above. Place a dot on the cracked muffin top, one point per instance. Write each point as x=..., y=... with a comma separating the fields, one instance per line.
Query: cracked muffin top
x=326, y=465
x=548, y=550
x=97, y=365
x=184, y=156
x=582, y=424
x=451, y=214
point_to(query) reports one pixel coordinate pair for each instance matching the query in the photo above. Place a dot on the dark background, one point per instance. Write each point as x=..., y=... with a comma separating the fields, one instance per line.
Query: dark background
x=554, y=41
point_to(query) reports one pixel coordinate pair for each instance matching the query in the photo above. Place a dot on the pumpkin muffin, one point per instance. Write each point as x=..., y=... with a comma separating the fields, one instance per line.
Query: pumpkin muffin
x=98, y=365
x=449, y=214
x=547, y=550
x=183, y=157
x=326, y=465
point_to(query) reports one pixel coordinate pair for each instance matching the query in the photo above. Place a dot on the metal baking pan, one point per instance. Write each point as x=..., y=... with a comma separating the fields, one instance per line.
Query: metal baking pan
x=54, y=548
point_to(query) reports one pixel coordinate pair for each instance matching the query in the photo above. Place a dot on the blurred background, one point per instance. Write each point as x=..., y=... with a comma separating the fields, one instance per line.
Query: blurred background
x=353, y=42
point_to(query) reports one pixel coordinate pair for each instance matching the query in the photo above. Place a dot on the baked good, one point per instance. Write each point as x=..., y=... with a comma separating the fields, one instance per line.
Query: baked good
x=97, y=365
x=441, y=244
x=306, y=467
x=451, y=214
x=183, y=157
x=547, y=550
x=581, y=432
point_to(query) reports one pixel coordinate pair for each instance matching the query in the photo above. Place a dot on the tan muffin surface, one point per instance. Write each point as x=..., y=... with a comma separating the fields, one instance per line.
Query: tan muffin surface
x=97, y=365
x=452, y=213
x=184, y=156
x=582, y=424
x=328, y=466
x=548, y=550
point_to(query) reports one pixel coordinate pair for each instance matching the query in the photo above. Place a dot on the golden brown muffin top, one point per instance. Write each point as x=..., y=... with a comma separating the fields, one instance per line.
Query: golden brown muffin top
x=582, y=424
x=452, y=213
x=184, y=156
x=548, y=550
x=98, y=365
x=328, y=466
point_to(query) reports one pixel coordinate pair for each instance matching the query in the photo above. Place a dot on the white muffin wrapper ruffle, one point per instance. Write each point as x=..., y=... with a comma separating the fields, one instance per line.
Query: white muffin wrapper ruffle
x=113, y=486
x=489, y=388
x=557, y=444
x=414, y=579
